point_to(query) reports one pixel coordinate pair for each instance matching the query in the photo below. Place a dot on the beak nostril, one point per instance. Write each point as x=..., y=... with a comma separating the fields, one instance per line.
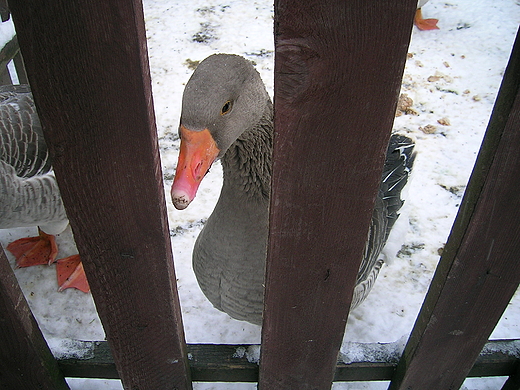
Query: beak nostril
x=197, y=170
x=197, y=152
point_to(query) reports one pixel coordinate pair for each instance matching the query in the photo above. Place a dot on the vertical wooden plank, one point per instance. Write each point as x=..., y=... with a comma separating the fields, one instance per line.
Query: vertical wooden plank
x=88, y=67
x=513, y=382
x=20, y=68
x=337, y=76
x=4, y=10
x=479, y=270
x=25, y=359
x=5, y=77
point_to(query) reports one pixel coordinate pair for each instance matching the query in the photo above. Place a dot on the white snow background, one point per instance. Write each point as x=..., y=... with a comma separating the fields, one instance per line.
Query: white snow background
x=452, y=75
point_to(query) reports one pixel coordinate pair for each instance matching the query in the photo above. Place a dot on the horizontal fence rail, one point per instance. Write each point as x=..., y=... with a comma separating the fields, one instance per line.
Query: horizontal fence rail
x=237, y=363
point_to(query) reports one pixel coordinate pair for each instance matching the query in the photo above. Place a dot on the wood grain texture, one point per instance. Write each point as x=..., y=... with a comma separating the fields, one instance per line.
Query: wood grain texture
x=9, y=51
x=479, y=270
x=25, y=359
x=4, y=10
x=338, y=70
x=88, y=67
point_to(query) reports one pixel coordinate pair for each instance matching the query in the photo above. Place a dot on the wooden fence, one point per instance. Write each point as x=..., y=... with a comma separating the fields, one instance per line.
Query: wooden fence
x=11, y=52
x=88, y=67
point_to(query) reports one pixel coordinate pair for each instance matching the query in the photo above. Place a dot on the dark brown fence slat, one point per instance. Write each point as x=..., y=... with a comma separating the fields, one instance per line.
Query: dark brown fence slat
x=25, y=360
x=4, y=10
x=513, y=382
x=479, y=271
x=5, y=77
x=88, y=67
x=337, y=76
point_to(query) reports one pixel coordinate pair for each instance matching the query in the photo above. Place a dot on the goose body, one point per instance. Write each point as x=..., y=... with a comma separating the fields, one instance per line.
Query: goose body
x=227, y=114
x=29, y=193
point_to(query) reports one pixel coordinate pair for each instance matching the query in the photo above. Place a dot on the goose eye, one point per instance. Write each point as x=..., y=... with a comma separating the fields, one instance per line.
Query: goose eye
x=226, y=107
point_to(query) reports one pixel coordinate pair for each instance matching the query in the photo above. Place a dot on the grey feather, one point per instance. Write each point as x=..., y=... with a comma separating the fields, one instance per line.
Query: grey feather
x=29, y=194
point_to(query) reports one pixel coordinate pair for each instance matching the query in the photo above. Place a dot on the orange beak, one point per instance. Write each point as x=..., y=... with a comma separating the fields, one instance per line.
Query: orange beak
x=198, y=152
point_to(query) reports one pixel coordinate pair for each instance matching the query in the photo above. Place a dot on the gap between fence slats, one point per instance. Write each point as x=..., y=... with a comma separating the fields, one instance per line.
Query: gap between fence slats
x=479, y=270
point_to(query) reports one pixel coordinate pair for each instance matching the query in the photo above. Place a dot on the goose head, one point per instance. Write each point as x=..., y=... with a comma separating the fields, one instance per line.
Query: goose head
x=224, y=98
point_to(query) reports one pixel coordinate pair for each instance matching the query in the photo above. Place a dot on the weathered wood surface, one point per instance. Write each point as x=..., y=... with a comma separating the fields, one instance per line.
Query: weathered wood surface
x=8, y=52
x=338, y=71
x=513, y=382
x=20, y=68
x=479, y=270
x=229, y=363
x=25, y=360
x=88, y=67
x=4, y=10
x=208, y=363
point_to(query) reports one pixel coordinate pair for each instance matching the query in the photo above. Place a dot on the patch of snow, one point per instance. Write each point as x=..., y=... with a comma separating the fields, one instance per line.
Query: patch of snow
x=352, y=352
x=452, y=76
x=70, y=349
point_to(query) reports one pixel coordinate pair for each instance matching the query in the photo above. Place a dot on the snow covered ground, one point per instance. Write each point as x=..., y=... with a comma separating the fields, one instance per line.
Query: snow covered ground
x=452, y=76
